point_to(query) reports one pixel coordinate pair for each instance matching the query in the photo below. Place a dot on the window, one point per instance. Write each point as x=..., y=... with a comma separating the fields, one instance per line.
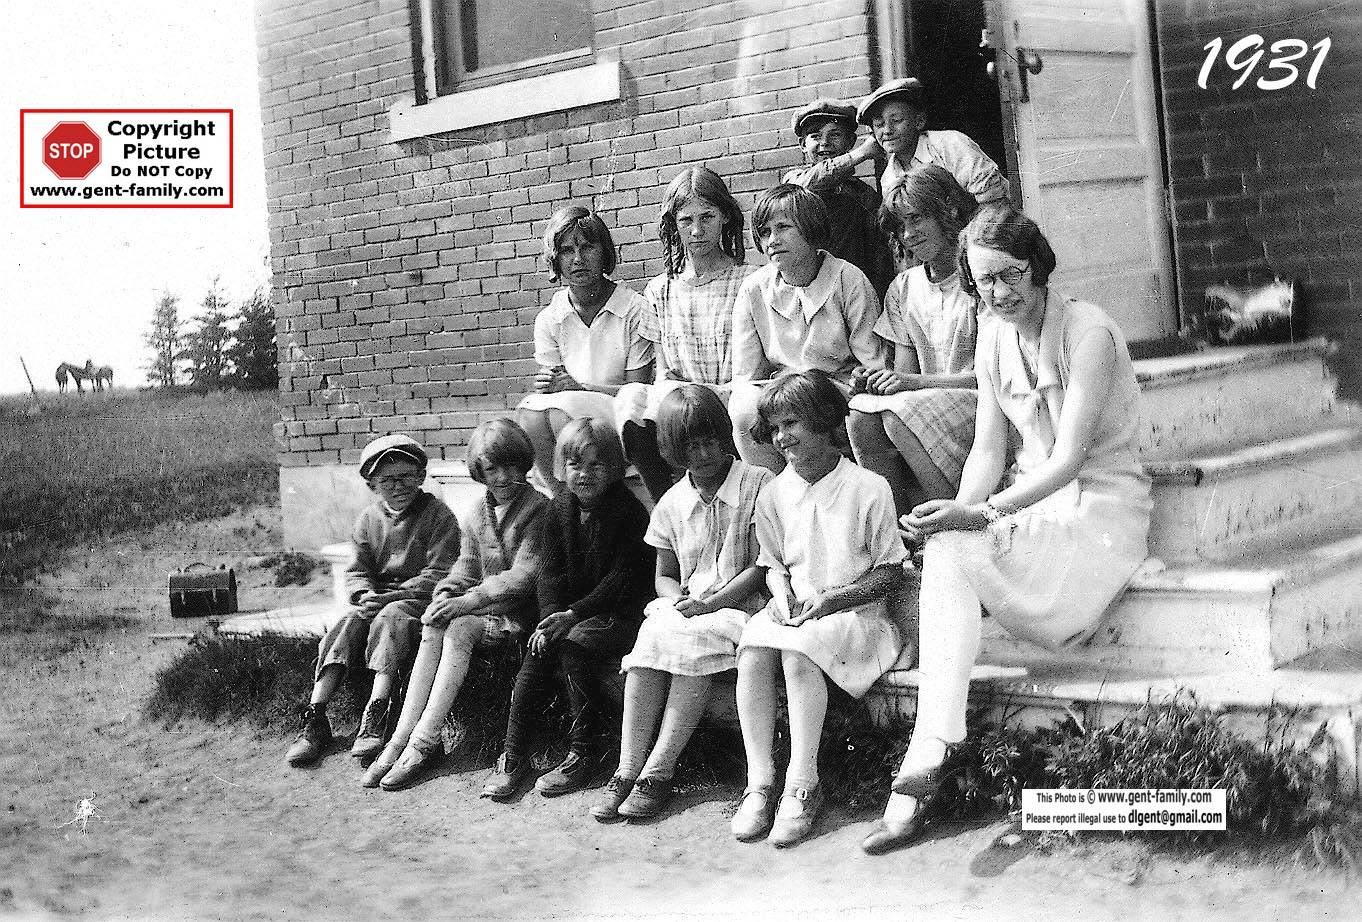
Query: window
x=478, y=42
x=478, y=62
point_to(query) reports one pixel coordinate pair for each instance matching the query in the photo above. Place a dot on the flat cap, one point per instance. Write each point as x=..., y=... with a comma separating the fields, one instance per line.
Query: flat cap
x=825, y=108
x=390, y=446
x=909, y=89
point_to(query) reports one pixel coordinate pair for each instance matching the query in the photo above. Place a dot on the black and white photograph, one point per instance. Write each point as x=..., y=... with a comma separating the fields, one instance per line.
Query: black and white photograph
x=681, y=459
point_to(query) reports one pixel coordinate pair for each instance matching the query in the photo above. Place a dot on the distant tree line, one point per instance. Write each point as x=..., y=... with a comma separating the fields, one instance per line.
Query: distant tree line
x=216, y=347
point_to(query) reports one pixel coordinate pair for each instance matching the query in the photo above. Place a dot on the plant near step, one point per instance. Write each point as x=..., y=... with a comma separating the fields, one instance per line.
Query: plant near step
x=291, y=568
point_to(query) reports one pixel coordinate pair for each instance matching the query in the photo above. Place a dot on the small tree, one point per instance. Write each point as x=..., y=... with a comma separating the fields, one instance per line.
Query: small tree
x=206, y=344
x=254, y=353
x=164, y=340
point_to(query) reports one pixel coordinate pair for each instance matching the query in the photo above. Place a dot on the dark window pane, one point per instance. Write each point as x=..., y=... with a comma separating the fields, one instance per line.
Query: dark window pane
x=501, y=32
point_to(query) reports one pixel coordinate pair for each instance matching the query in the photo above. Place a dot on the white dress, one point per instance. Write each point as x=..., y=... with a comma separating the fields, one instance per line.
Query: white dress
x=601, y=353
x=713, y=542
x=1049, y=571
x=827, y=534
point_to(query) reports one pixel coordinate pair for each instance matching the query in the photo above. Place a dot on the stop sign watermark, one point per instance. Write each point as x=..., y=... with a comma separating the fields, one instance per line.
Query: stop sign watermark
x=71, y=150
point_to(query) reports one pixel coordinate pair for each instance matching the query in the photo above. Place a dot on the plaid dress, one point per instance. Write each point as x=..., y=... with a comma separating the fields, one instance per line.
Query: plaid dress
x=937, y=323
x=713, y=542
x=691, y=324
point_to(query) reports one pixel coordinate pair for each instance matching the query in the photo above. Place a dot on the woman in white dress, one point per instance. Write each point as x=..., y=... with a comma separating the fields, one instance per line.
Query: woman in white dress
x=1048, y=553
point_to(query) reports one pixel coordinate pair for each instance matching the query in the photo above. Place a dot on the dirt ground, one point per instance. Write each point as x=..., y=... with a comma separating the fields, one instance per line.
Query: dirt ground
x=201, y=822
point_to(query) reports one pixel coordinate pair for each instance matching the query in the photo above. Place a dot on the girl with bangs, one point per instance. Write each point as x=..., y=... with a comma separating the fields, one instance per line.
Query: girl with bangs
x=708, y=585
x=690, y=321
x=834, y=567
x=912, y=420
x=594, y=580
x=806, y=310
x=487, y=600
x=587, y=341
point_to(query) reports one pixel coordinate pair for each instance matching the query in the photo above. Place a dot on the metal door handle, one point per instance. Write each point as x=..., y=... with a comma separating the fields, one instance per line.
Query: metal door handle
x=1028, y=62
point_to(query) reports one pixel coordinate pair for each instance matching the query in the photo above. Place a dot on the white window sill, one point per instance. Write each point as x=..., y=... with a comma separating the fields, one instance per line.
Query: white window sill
x=567, y=89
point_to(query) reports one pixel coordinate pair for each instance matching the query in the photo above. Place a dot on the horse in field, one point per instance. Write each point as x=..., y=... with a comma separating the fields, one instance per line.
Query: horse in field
x=78, y=373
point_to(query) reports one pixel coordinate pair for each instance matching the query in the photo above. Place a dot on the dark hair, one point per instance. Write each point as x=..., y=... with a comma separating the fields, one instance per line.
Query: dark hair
x=589, y=225
x=691, y=412
x=810, y=395
x=690, y=184
x=1001, y=226
x=805, y=209
x=931, y=190
x=587, y=432
x=498, y=443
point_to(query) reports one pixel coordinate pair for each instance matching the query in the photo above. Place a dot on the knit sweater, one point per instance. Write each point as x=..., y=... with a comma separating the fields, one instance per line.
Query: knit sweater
x=501, y=556
x=410, y=551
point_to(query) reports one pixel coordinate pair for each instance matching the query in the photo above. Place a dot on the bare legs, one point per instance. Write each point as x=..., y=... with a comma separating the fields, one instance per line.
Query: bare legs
x=640, y=447
x=742, y=408
x=652, y=698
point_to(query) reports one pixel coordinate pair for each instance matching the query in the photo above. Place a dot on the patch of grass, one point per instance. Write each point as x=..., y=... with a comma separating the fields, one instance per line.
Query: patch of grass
x=93, y=466
x=291, y=568
x=35, y=628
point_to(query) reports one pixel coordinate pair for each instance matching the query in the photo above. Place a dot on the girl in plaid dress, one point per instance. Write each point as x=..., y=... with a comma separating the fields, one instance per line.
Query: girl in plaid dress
x=708, y=584
x=691, y=318
x=913, y=420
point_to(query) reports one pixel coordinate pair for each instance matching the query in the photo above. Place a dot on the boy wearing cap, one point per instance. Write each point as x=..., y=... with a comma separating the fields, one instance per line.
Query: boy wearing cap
x=826, y=129
x=405, y=543
x=896, y=115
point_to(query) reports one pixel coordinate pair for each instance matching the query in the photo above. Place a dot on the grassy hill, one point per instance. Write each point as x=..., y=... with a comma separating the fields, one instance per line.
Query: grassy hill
x=93, y=465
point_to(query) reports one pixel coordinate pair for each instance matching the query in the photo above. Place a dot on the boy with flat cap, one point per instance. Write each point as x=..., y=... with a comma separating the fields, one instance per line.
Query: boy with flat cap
x=897, y=117
x=826, y=129
x=404, y=543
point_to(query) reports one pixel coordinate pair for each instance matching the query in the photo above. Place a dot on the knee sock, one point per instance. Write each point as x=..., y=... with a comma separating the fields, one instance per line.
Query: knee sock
x=757, y=669
x=457, y=650
x=807, y=696
x=527, y=699
x=586, y=734
x=686, y=700
x=418, y=686
x=644, y=691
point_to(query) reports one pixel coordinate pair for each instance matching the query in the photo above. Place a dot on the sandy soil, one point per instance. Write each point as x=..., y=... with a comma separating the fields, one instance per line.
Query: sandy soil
x=209, y=823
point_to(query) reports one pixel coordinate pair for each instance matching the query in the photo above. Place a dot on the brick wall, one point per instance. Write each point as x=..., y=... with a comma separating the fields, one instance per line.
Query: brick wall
x=1269, y=181
x=406, y=278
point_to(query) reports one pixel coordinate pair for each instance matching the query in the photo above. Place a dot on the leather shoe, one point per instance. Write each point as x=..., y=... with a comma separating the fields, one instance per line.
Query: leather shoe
x=314, y=738
x=799, y=809
x=373, y=729
x=572, y=774
x=755, y=813
x=884, y=839
x=379, y=767
x=649, y=798
x=607, y=809
x=510, y=774
x=415, y=760
x=924, y=784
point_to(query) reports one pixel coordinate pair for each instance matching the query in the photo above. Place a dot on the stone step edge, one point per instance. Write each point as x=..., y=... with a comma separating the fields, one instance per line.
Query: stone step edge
x=1323, y=559
x=1217, y=361
x=1201, y=470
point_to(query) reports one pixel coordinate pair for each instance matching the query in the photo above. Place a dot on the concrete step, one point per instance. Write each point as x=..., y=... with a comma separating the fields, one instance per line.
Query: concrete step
x=1231, y=397
x=1215, y=507
x=1260, y=611
x=1319, y=710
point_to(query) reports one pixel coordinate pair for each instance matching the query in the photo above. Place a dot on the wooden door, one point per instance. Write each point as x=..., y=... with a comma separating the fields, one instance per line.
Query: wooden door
x=1089, y=162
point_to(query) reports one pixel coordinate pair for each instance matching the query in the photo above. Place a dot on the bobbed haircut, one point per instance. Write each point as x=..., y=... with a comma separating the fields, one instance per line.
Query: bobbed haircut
x=809, y=395
x=802, y=207
x=499, y=443
x=587, y=432
x=589, y=225
x=930, y=190
x=688, y=413
x=693, y=183
x=1003, y=227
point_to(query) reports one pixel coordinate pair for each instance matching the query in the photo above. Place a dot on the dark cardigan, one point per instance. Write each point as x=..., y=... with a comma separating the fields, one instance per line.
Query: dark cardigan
x=600, y=568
